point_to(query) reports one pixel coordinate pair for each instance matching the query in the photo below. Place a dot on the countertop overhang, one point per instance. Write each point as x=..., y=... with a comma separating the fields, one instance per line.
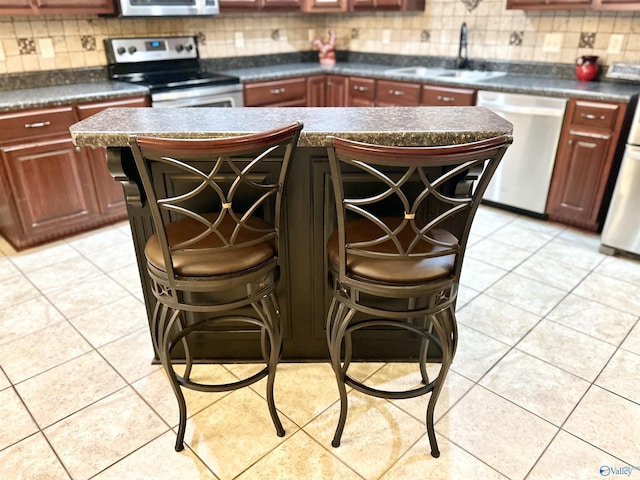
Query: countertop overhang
x=401, y=126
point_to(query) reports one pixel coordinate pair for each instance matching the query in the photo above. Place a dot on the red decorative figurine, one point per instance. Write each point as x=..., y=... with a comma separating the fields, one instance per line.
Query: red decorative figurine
x=587, y=67
x=326, y=50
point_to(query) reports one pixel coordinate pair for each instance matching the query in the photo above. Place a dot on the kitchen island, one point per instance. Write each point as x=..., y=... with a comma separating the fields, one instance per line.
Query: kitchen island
x=302, y=289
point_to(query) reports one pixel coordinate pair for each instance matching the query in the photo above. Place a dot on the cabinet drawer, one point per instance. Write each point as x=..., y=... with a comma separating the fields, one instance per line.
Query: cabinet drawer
x=362, y=88
x=276, y=92
x=398, y=93
x=31, y=124
x=85, y=110
x=598, y=115
x=443, y=96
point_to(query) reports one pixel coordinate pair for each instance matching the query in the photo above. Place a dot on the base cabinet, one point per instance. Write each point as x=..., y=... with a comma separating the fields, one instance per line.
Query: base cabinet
x=50, y=187
x=584, y=163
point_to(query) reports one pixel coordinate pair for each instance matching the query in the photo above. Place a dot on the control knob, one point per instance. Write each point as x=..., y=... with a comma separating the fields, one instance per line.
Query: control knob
x=179, y=47
x=121, y=50
x=132, y=50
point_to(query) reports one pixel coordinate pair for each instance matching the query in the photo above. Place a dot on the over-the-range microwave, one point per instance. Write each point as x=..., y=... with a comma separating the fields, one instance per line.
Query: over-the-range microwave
x=167, y=8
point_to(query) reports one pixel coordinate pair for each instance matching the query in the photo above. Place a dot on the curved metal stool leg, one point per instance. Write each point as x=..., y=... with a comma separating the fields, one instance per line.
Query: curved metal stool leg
x=272, y=317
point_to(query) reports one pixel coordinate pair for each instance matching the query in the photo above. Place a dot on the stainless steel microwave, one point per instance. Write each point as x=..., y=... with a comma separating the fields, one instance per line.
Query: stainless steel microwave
x=168, y=8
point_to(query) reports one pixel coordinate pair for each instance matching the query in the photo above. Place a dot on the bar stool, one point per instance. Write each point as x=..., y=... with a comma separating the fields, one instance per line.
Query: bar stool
x=403, y=218
x=213, y=259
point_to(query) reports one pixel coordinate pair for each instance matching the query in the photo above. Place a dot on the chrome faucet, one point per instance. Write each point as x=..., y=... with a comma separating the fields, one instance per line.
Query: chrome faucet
x=462, y=61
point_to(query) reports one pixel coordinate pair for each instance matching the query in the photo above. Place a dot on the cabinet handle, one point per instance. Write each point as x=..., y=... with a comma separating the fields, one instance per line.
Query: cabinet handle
x=360, y=88
x=37, y=124
x=446, y=99
x=277, y=91
x=396, y=92
x=591, y=116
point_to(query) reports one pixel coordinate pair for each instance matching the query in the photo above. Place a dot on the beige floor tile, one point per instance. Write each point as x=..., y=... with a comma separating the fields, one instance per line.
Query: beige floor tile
x=16, y=421
x=479, y=275
x=405, y=376
x=488, y=220
x=465, y=295
x=476, y=353
x=575, y=236
x=611, y=291
x=622, y=375
x=129, y=278
x=536, y=386
x=570, y=457
x=158, y=461
x=39, y=257
x=234, y=433
x=58, y=275
x=538, y=225
x=533, y=296
x=16, y=289
x=581, y=254
x=27, y=317
x=376, y=434
x=4, y=381
x=32, y=354
x=498, y=254
x=548, y=270
x=111, y=321
x=7, y=269
x=98, y=240
x=522, y=237
x=497, y=319
x=567, y=349
x=98, y=436
x=86, y=296
x=497, y=432
x=632, y=342
x=132, y=355
x=156, y=390
x=609, y=422
x=69, y=387
x=453, y=463
x=31, y=459
x=593, y=318
x=113, y=257
x=299, y=457
x=621, y=268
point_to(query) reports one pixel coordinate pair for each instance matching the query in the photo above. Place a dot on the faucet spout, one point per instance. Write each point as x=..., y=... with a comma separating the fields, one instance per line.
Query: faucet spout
x=462, y=61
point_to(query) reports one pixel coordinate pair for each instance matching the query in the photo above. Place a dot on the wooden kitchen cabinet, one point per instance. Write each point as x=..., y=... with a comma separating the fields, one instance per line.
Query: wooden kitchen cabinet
x=322, y=6
x=573, y=4
x=289, y=92
x=50, y=188
x=386, y=5
x=391, y=93
x=316, y=91
x=361, y=92
x=437, y=95
x=584, y=163
x=336, y=91
x=56, y=7
x=228, y=6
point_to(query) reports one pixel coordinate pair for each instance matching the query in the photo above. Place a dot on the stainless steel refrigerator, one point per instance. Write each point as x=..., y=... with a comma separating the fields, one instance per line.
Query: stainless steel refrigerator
x=621, y=231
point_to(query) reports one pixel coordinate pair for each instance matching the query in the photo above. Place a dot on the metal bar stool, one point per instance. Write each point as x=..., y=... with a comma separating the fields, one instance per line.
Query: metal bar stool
x=403, y=219
x=213, y=259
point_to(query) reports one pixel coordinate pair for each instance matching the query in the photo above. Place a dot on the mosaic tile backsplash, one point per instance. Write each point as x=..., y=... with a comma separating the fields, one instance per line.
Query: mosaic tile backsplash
x=29, y=44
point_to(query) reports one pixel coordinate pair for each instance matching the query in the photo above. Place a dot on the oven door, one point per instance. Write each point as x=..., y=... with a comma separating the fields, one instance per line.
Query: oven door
x=217, y=96
x=158, y=8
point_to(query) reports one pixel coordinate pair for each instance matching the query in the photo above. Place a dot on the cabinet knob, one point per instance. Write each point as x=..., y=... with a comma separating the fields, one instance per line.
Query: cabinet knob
x=360, y=88
x=277, y=91
x=396, y=92
x=37, y=124
x=591, y=116
x=445, y=99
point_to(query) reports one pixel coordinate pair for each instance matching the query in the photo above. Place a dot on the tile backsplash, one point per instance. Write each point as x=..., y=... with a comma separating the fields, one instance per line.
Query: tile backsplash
x=30, y=44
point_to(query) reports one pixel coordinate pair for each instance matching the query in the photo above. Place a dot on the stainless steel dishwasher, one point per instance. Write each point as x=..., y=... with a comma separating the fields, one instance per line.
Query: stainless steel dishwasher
x=522, y=180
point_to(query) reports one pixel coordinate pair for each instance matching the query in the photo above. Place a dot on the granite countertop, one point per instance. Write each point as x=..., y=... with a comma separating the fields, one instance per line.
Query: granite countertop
x=67, y=94
x=17, y=99
x=410, y=126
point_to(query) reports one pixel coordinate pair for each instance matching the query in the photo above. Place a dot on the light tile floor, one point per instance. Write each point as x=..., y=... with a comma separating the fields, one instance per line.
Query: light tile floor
x=545, y=384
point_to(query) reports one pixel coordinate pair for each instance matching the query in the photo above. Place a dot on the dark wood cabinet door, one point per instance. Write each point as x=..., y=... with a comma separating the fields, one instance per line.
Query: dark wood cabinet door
x=578, y=178
x=316, y=91
x=240, y=5
x=336, y=91
x=548, y=4
x=402, y=94
x=435, y=95
x=320, y=6
x=52, y=187
x=289, y=92
x=16, y=7
x=361, y=92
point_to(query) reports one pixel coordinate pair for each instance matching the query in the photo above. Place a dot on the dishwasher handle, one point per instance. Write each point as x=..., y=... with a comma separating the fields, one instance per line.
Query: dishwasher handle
x=499, y=107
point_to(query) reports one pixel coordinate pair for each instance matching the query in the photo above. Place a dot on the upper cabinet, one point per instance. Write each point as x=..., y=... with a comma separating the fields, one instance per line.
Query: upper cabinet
x=573, y=4
x=56, y=7
x=320, y=6
x=260, y=5
x=389, y=5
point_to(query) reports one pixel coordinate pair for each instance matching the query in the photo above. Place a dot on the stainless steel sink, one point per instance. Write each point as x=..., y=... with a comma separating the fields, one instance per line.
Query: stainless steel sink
x=437, y=72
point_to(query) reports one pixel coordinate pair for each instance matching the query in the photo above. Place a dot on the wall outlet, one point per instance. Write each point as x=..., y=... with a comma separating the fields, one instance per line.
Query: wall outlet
x=311, y=34
x=2, y=55
x=552, y=43
x=386, y=36
x=46, y=48
x=239, y=39
x=615, y=43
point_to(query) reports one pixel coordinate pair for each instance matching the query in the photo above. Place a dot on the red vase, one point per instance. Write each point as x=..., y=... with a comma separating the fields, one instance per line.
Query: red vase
x=587, y=67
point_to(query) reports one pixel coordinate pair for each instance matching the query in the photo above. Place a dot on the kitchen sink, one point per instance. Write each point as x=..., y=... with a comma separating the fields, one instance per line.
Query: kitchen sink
x=437, y=72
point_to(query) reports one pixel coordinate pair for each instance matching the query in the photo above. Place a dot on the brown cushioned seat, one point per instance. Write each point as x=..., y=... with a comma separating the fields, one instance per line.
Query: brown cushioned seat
x=226, y=262
x=392, y=270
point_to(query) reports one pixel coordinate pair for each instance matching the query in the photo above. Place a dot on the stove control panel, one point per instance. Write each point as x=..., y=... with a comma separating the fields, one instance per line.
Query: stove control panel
x=130, y=50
